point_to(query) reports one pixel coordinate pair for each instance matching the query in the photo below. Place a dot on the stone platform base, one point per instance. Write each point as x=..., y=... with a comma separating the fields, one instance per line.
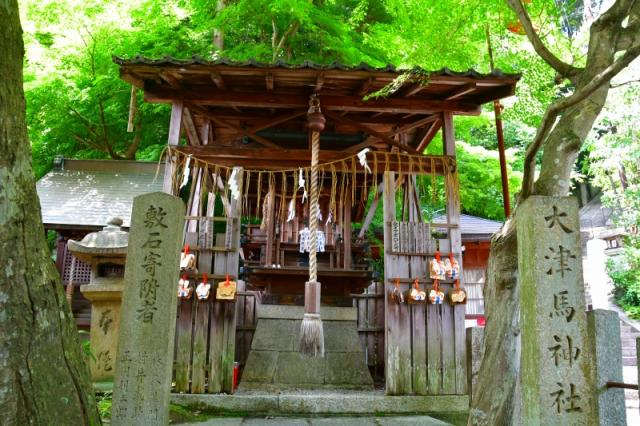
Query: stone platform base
x=274, y=363
x=311, y=403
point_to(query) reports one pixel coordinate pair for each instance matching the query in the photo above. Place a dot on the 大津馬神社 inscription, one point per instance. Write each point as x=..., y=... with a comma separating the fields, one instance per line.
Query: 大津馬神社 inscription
x=557, y=371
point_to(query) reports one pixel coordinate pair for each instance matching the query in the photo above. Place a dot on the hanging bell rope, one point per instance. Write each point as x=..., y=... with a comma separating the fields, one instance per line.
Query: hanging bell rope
x=311, y=333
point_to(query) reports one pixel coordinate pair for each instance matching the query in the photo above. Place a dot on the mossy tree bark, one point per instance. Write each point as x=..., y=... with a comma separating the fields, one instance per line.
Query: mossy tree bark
x=614, y=42
x=44, y=378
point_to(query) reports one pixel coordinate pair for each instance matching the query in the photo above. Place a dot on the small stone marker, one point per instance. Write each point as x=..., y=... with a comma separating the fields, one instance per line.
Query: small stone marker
x=145, y=346
x=556, y=361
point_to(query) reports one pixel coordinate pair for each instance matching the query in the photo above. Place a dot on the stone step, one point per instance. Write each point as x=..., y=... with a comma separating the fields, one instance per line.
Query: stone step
x=629, y=361
x=334, y=403
x=322, y=421
x=628, y=342
x=628, y=351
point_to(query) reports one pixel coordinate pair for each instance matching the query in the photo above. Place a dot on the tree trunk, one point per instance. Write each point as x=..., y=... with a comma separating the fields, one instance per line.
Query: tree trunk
x=218, y=33
x=44, y=378
x=496, y=401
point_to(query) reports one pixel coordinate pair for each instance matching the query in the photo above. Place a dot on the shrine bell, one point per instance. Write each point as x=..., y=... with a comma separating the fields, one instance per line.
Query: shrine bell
x=106, y=252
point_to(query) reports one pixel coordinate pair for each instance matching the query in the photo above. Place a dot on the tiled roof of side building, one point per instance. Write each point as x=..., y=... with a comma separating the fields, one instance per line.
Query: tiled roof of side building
x=473, y=226
x=86, y=193
x=198, y=60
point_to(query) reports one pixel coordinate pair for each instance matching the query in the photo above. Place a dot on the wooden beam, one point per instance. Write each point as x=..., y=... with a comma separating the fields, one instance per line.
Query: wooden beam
x=460, y=91
x=190, y=128
x=268, y=78
x=238, y=129
x=412, y=125
x=277, y=159
x=334, y=103
x=265, y=125
x=497, y=93
x=365, y=86
x=370, y=131
x=172, y=78
x=423, y=140
x=412, y=90
x=205, y=132
x=174, y=139
x=218, y=80
x=371, y=212
x=319, y=82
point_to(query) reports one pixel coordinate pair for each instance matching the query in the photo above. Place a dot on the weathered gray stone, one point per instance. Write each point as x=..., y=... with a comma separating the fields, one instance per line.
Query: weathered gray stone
x=325, y=403
x=341, y=336
x=276, y=342
x=347, y=368
x=276, y=335
x=145, y=344
x=475, y=339
x=604, y=333
x=410, y=420
x=344, y=421
x=328, y=313
x=557, y=368
x=263, y=366
x=230, y=404
x=294, y=368
x=105, y=247
x=362, y=403
x=284, y=421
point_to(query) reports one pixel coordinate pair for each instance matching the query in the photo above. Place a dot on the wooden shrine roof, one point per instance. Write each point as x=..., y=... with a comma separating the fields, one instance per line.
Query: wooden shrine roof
x=253, y=104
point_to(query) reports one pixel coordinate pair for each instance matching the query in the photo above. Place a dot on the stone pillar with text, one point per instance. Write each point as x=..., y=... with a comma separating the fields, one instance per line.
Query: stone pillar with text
x=148, y=314
x=557, y=368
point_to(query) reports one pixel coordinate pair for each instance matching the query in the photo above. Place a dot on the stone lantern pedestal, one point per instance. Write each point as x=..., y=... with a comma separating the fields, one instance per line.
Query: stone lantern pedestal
x=106, y=252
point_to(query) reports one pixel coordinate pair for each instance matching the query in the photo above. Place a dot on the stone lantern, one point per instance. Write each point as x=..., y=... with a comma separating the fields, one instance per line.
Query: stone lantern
x=106, y=252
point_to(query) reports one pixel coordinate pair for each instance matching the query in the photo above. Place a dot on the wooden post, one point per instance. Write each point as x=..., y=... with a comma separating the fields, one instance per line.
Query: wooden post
x=271, y=225
x=347, y=229
x=174, y=138
x=397, y=317
x=453, y=218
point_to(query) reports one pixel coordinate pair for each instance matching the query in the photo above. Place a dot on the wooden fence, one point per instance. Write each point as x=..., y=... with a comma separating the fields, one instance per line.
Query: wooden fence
x=370, y=307
x=426, y=347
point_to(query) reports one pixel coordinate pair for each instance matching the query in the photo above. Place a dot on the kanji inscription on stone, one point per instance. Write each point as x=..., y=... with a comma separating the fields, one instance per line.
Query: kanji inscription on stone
x=557, y=371
x=145, y=345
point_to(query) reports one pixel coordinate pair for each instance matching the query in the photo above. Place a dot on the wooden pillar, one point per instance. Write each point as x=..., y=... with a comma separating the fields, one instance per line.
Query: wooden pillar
x=174, y=138
x=347, y=229
x=455, y=239
x=270, y=226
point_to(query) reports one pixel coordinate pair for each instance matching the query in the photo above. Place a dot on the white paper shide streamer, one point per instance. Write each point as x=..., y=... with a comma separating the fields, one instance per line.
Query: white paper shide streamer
x=362, y=156
x=301, y=183
x=186, y=172
x=233, y=184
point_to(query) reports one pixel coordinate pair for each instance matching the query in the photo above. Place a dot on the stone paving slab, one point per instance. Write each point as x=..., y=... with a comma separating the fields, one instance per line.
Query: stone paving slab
x=333, y=421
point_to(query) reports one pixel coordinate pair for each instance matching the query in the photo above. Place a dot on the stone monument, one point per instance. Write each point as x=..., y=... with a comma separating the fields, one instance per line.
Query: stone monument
x=106, y=252
x=145, y=348
x=557, y=371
